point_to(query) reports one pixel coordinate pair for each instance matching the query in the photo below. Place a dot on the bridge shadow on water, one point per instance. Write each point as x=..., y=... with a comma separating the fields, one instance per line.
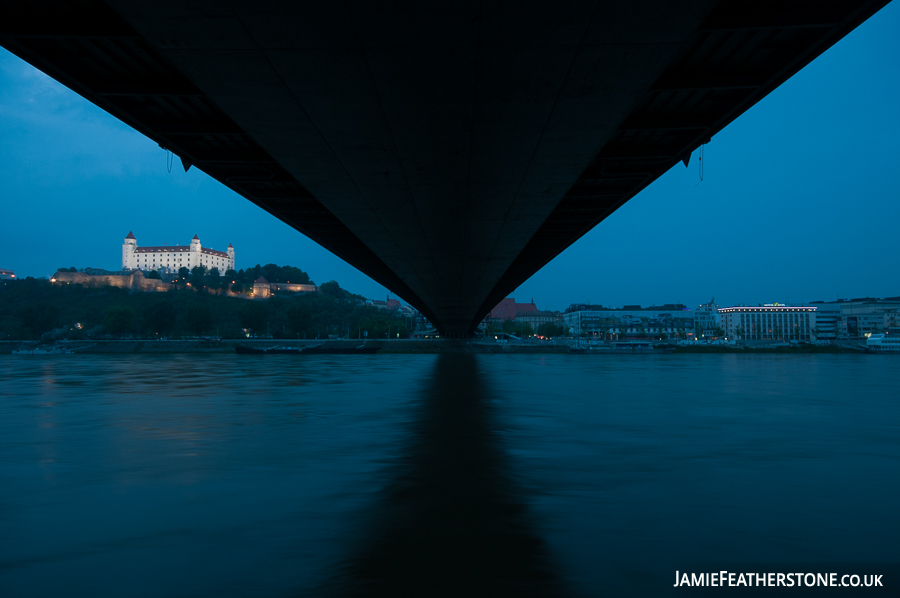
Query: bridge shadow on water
x=451, y=520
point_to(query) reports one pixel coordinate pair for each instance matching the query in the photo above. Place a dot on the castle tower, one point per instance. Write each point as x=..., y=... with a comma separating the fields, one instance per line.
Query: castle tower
x=194, y=257
x=128, y=248
x=230, y=252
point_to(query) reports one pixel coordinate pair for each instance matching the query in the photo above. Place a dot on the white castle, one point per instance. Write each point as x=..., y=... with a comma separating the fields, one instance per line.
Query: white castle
x=168, y=259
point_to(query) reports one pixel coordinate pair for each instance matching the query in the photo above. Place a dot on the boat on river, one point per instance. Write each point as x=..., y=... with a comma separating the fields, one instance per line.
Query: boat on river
x=618, y=347
x=360, y=350
x=52, y=350
x=883, y=343
x=316, y=350
x=241, y=350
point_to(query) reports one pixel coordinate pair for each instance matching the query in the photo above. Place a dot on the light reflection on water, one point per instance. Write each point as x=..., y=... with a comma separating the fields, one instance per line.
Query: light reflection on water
x=436, y=475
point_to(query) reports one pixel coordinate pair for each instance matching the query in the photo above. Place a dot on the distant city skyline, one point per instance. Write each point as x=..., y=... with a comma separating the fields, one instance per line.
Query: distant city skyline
x=796, y=203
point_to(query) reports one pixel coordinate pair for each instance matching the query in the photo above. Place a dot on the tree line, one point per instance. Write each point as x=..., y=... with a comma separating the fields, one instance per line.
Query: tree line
x=33, y=308
x=236, y=281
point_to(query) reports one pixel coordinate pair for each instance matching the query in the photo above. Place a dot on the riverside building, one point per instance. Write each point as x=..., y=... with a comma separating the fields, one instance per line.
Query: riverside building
x=770, y=322
x=828, y=320
x=536, y=318
x=673, y=319
x=707, y=319
x=166, y=259
x=856, y=318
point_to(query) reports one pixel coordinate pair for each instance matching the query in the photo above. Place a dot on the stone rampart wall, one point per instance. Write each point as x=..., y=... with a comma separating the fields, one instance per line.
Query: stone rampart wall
x=134, y=281
x=294, y=288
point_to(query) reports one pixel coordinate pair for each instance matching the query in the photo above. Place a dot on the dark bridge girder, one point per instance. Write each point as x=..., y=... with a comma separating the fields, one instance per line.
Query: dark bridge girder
x=448, y=150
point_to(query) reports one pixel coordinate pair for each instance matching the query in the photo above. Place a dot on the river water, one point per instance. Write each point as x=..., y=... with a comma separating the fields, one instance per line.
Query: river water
x=437, y=475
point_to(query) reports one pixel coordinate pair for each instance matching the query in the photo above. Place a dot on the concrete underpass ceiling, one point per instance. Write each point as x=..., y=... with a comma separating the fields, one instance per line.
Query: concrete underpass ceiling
x=458, y=142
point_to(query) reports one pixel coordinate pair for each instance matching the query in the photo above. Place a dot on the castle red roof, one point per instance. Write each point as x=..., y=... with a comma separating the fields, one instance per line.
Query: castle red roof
x=213, y=252
x=508, y=309
x=160, y=249
x=196, y=237
x=177, y=249
x=130, y=235
x=230, y=245
x=261, y=280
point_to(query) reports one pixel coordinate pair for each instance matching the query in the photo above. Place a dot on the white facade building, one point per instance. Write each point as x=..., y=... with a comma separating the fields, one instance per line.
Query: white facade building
x=168, y=259
x=854, y=318
x=671, y=318
x=828, y=320
x=707, y=319
x=769, y=322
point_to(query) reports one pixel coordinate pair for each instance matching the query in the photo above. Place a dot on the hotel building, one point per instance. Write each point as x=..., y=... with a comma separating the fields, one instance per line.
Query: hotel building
x=770, y=322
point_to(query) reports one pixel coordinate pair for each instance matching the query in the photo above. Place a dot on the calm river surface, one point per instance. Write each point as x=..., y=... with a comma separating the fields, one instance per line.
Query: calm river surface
x=433, y=475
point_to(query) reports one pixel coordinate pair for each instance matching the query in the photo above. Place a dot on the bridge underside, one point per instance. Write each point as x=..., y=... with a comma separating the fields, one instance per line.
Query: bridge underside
x=447, y=149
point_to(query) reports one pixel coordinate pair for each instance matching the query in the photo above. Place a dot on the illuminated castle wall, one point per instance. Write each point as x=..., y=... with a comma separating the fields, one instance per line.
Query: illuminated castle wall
x=169, y=259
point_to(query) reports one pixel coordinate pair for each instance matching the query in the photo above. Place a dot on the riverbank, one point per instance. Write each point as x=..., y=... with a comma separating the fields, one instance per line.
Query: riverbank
x=201, y=346
x=769, y=349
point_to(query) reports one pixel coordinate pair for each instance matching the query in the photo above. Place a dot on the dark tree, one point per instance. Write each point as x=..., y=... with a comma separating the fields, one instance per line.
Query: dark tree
x=154, y=275
x=119, y=320
x=160, y=317
x=198, y=318
x=183, y=272
x=198, y=276
x=332, y=289
x=294, y=275
x=379, y=326
x=216, y=281
x=298, y=319
x=271, y=272
x=551, y=329
x=491, y=329
x=39, y=318
x=510, y=327
x=254, y=316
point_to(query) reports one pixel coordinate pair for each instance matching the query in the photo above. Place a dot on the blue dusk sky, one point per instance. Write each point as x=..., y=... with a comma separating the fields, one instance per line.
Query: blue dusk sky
x=799, y=200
